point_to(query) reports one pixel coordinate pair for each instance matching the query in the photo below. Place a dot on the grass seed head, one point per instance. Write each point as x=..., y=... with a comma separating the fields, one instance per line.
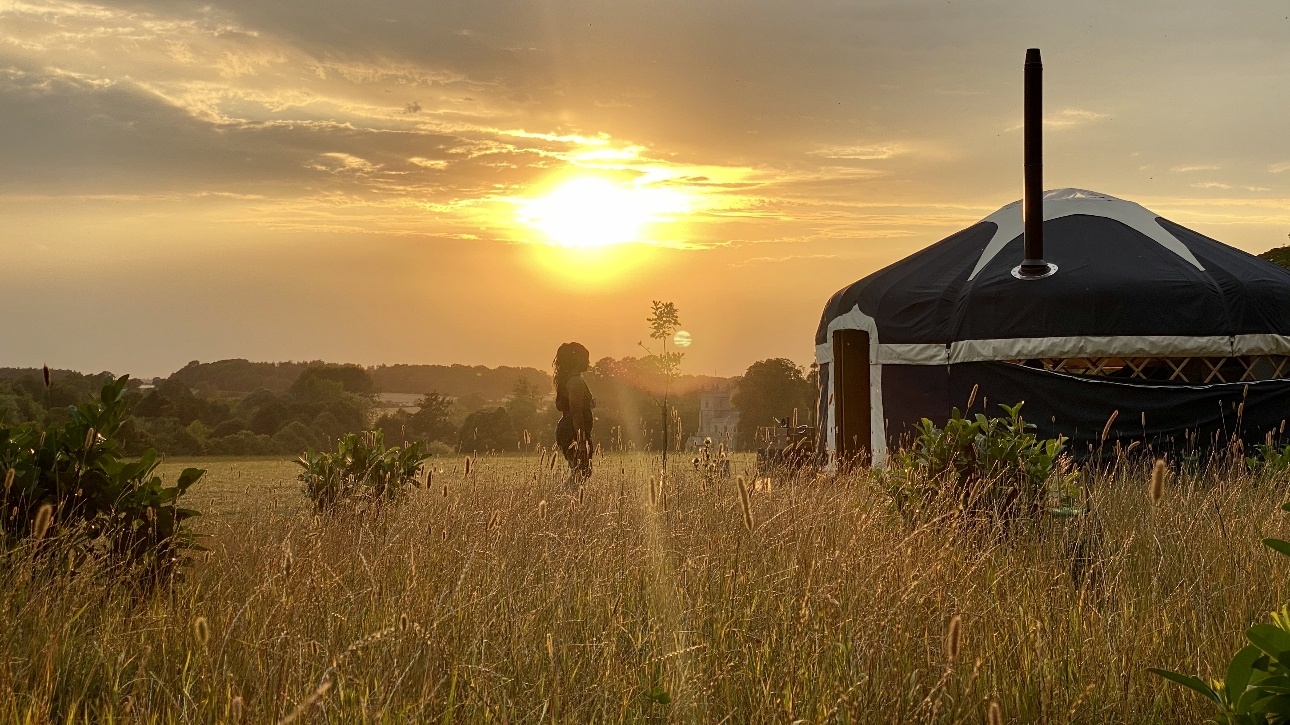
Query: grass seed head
x=994, y=716
x=45, y=370
x=403, y=622
x=8, y=480
x=953, y=638
x=542, y=509
x=1157, y=489
x=235, y=708
x=201, y=631
x=745, y=503
x=44, y=517
x=1106, y=429
x=653, y=491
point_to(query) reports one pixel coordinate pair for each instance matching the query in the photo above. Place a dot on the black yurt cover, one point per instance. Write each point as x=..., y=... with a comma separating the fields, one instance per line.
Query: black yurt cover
x=1181, y=339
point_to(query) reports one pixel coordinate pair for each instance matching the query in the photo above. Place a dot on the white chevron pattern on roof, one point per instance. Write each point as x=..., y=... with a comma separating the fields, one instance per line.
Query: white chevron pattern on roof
x=1068, y=202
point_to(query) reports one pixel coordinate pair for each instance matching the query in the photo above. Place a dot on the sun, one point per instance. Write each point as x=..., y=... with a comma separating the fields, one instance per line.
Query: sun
x=591, y=211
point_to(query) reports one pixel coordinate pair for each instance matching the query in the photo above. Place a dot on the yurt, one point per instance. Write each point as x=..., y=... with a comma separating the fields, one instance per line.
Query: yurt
x=1089, y=309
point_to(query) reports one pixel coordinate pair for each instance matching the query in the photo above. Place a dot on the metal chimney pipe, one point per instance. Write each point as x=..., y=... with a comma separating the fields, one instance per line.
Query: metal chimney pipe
x=1034, y=266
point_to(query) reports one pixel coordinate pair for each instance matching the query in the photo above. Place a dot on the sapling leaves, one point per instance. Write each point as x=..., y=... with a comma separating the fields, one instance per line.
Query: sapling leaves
x=1281, y=547
x=1192, y=683
x=105, y=505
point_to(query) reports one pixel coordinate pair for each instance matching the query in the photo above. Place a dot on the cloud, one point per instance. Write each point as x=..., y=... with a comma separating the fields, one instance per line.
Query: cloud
x=1194, y=167
x=1220, y=185
x=1074, y=117
x=1067, y=118
x=439, y=164
x=338, y=162
x=787, y=258
x=1279, y=167
x=861, y=153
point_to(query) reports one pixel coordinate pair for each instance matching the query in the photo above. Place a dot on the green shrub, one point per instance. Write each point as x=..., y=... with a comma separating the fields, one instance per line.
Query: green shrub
x=70, y=479
x=362, y=469
x=992, y=469
x=242, y=443
x=1256, y=688
x=1269, y=458
x=439, y=448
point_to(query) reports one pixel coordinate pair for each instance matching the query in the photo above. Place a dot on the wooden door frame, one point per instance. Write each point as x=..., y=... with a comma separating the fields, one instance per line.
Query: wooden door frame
x=852, y=399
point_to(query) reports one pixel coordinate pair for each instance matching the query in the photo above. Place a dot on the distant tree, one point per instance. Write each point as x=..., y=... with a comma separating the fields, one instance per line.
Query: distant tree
x=525, y=409
x=295, y=438
x=16, y=406
x=170, y=436
x=321, y=381
x=239, y=376
x=328, y=428
x=1278, y=255
x=432, y=419
x=228, y=428
x=243, y=443
x=469, y=403
x=488, y=430
x=174, y=399
x=269, y=418
x=770, y=389
x=663, y=322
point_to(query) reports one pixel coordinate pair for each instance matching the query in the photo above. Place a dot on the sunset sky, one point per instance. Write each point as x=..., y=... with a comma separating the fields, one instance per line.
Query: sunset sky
x=401, y=181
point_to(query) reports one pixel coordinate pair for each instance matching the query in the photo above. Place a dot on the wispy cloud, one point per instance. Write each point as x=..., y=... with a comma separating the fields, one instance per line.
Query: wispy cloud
x=873, y=152
x=786, y=258
x=1279, y=167
x=1068, y=118
x=338, y=162
x=1194, y=167
x=1221, y=185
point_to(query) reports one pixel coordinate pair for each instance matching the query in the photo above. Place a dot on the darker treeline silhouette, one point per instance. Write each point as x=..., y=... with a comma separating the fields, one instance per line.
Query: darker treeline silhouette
x=238, y=407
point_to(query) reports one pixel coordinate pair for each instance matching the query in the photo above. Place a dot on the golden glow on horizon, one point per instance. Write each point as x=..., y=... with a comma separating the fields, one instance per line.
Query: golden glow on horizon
x=589, y=212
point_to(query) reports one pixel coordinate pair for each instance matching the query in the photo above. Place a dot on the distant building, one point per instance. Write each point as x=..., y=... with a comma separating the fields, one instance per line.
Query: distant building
x=718, y=418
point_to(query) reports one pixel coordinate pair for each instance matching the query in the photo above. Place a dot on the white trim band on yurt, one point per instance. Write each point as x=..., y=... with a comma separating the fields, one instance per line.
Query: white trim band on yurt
x=1024, y=348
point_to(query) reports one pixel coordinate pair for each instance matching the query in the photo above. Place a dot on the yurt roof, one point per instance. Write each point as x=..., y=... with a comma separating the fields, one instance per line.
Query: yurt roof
x=1128, y=281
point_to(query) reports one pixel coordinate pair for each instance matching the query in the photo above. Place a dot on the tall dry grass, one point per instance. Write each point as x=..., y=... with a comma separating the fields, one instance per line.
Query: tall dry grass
x=510, y=600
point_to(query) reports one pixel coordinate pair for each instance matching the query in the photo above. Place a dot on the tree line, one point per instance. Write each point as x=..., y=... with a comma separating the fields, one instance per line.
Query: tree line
x=219, y=409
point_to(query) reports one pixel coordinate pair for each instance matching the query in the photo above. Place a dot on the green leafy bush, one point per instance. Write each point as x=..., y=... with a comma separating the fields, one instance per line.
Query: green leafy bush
x=361, y=470
x=70, y=479
x=992, y=469
x=1256, y=688
x=1269, y=458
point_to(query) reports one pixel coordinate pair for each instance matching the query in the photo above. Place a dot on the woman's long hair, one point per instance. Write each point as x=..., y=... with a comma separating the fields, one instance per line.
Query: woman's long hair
x=571, y=359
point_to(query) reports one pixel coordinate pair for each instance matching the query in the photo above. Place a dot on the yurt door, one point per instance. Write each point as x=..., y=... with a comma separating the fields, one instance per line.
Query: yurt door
x=851, y=399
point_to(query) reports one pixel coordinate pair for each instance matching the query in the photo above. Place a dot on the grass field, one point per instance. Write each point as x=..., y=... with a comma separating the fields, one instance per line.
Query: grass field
x=500, y=597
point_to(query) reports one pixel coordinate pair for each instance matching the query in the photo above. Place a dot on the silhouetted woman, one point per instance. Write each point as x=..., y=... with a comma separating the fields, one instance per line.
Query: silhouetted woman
x=573, y=400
